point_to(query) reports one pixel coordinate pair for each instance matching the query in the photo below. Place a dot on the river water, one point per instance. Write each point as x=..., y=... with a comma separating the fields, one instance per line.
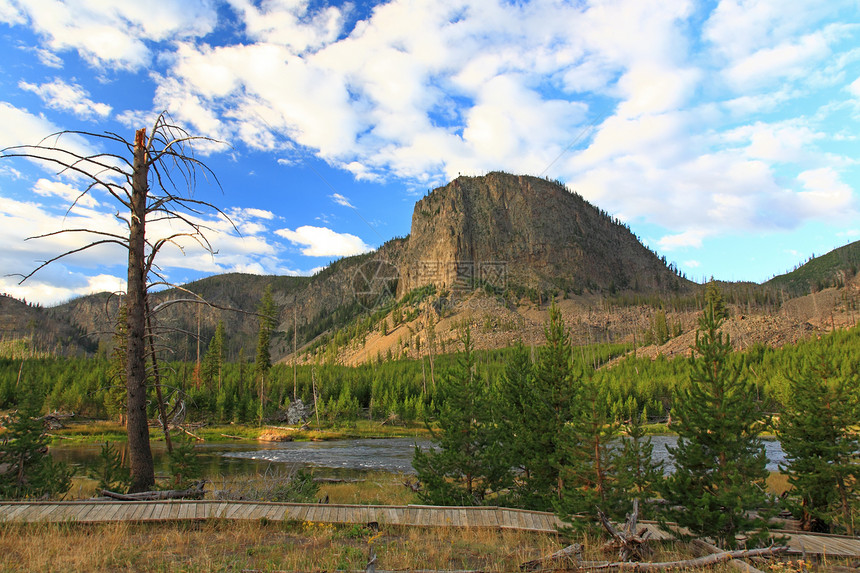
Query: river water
x=341, y=457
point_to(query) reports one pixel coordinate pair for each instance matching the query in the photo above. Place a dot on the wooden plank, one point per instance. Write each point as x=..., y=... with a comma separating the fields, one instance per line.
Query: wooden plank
x=5, y=509
x=243, y=510
x=142, y=509
x=107, y=511
x=174, y=510
x=84, y=511
x=161, y=510
x=220, y=510
x=48, y=511
x=91, y=513
x=202, y=509
x=296, y=513
x=261, y=510
x=19, y=511
x=232, y=509
x=149, y=509
x=28, y=511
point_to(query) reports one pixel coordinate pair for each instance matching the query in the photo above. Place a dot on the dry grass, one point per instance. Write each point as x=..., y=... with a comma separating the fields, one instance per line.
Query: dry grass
x=218, y=545
x=223, y=546
x=777, y=483
x=376, y=489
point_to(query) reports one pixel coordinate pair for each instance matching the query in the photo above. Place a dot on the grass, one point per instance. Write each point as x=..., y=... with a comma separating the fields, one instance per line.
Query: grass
x=217, y=545
x=229, y=546
x=100, y=431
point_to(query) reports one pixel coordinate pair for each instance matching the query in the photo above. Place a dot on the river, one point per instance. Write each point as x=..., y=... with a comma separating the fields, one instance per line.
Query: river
x=341, y=457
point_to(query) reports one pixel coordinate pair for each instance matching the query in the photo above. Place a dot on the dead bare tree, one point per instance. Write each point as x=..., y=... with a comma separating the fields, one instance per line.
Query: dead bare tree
x=152, y=180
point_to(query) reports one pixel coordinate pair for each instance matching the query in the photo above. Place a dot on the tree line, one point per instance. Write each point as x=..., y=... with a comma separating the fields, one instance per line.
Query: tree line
x=549, y=434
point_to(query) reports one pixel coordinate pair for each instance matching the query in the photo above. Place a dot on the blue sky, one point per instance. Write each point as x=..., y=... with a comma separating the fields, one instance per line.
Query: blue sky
x=725, y=133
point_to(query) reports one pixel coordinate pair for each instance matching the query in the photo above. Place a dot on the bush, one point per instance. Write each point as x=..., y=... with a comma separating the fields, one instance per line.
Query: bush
x=26, y=468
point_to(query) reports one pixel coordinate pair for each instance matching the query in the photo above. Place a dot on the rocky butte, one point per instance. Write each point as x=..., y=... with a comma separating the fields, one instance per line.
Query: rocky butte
x=527, y=232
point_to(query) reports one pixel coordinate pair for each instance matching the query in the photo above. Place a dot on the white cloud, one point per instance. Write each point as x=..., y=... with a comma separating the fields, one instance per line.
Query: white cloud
x=854, y=88
x=826, y=195
x=323, y=242
x=61, y=95
x=251, y=212
x=787, y=60
x=112, y=34
x=67, y=286
x=290, y=23
x=341, y=200
x=68, y=193
x=691, y=238
x=20, y=127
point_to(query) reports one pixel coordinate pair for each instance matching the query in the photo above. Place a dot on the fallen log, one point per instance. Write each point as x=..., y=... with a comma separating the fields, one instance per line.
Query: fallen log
x=696, y=563
x=570, y=554
x=232, y=437
x=193, y=492
x=736, y=563
x=193, y=435
x=629, y=542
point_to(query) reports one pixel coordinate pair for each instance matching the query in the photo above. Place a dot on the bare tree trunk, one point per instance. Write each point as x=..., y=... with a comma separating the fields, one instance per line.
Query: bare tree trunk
x=140, y=454
x=162, y=411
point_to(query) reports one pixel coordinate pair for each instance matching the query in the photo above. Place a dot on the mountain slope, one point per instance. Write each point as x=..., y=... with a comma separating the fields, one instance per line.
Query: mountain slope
x=831, y=269
x=490, y=252
x=525, y=232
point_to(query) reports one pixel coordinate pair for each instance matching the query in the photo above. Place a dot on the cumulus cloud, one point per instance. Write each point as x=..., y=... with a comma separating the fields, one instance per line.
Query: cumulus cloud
x=71, y=97
x=704, y=120
x=323, y=242
x=108, y=33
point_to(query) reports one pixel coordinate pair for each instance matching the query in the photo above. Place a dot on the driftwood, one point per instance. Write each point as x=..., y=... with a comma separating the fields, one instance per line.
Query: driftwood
x=415, y=486
x=629, y=542
x=706, y=561
x=193, y=492
x=337, y=480
x=232, y=437
x=569, y=555
x=736, y=563
x=193, y=435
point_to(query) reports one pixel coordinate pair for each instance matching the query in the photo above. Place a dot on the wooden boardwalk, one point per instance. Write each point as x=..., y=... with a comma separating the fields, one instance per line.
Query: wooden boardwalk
x=97, y=511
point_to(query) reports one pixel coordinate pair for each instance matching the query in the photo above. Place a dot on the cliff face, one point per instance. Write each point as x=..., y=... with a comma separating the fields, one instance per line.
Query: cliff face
x=510, y=230
x=506, y=231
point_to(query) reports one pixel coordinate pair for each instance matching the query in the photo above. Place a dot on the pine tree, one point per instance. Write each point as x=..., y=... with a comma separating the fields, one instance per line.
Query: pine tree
x=547, y=411
x=267, y=312
x=468, y=464
x=816, y=433
x=29, y=471
x=213, y=360
x=588, y=472
x=512, y=395
x=637, y=474
x=720, y=462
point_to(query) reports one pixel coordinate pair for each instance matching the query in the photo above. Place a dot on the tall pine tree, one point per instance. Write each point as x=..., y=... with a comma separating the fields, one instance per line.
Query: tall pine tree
x=268, y=318
x=512, y=396
x=817, y=434
x=636, y=472
x=589, y=472
x=547, y=411
x=469, y=463
x=213, y=360
x=720, y=462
